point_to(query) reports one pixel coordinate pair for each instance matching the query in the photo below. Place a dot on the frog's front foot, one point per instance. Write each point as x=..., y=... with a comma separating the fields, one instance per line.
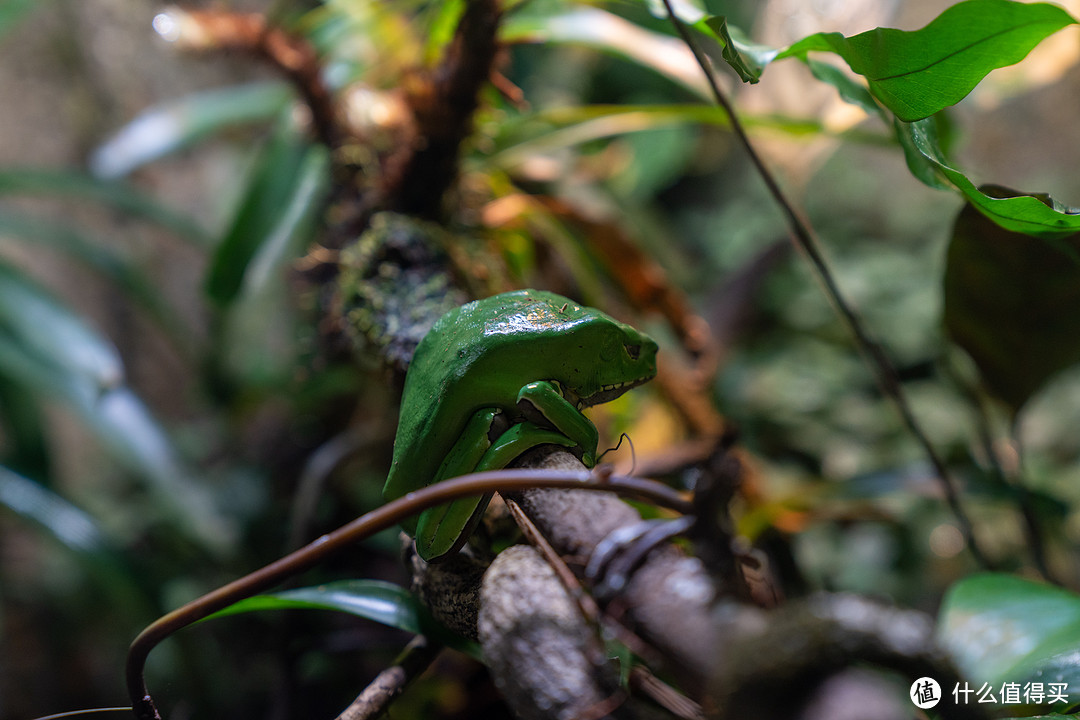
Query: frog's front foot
x=616, y=557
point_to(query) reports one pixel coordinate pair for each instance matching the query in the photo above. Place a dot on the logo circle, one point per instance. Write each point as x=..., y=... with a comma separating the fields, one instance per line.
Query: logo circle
x=925, y=693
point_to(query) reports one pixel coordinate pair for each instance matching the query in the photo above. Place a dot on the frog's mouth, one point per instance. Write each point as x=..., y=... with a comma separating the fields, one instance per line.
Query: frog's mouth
x=606, y=393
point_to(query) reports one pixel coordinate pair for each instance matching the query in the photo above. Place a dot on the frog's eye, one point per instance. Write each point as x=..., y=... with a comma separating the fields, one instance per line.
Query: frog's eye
x=634, y=351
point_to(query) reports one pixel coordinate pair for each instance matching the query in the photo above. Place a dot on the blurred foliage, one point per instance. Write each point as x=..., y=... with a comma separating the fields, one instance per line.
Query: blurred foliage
x=263, y=438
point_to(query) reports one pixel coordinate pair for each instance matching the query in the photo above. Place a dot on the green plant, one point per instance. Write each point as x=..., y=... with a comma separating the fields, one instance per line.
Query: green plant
x=630, y=189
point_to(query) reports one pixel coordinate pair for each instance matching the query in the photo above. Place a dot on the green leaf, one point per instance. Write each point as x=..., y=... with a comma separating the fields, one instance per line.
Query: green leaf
x=1026, y=214
x=176, y=124
x=607, y=32
x=289, y=231
x=916, y=74
x=1012, y=302
x=261, y=352
x=441, y=26
x=746, y=58
x=49, y=351
x=78, y=532
x=65, y=183
x=23, y=427
x=850, y=90
x=12, y=13
x=689, y=11
x=99, y=257
x=63, y=521
x=1001, y=628
x=375, y=600
x=281, y=178
x=49, y=332
x=558, y=128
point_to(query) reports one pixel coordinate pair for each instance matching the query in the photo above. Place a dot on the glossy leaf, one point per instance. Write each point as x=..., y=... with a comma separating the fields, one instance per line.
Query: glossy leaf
x=918, y=73
x=290, y=231
x=1021, y=213
x=117, y=195
x=375, y=600
x=1012, y=302
x=1000, y=628
x=176, y=124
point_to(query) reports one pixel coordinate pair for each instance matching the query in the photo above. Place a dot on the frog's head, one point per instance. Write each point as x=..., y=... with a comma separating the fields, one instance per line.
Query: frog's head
x=603, y=359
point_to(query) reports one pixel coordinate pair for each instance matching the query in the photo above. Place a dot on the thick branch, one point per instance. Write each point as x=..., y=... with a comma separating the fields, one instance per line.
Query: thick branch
x=669, y=598
x=443, y=106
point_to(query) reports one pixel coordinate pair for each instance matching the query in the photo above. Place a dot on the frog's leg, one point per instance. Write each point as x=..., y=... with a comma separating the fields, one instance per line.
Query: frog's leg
x=544, y=399
x=520, y=437
x=442, y=530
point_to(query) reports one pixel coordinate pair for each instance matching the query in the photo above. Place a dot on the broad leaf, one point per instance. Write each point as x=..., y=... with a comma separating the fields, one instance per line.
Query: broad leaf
x=441, y=26
x=918, y=73
x=1021, y=214
x=178, y=123
x=375, y=600
x=1013, y=302
x=1001, y=628
x=850, y=89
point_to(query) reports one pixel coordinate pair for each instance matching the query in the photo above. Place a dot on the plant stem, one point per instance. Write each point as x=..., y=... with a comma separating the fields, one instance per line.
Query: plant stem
x=382, y=517
x=805, y=240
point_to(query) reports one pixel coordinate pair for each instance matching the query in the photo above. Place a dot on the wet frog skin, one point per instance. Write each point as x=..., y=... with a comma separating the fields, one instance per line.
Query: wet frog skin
x=496, y=377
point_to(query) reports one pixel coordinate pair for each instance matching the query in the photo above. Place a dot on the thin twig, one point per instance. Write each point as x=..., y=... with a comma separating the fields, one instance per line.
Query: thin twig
x=387, y=685
x=805, y=240
x=1032, y=526
x=643, y=680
